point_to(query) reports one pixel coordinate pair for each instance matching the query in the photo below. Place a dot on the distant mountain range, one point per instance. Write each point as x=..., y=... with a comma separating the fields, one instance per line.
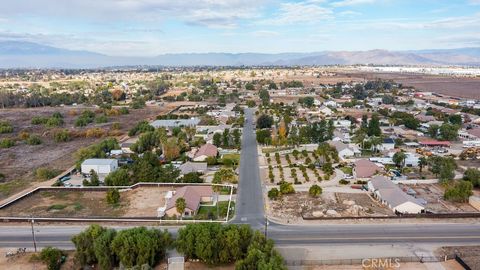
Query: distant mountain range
x=20, y=54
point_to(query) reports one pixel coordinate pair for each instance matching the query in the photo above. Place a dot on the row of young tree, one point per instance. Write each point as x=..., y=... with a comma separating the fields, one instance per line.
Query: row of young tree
x=211, y=243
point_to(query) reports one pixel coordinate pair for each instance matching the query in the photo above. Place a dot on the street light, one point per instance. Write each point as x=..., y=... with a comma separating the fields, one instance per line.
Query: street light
x=33, y=235
x=266, y=228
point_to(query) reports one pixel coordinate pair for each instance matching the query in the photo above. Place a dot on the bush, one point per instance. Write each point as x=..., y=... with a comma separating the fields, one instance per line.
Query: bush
x=286, y=188
x=53, y=257
x=459, y=192
x=344, y=182
x=95, y=133
x=45, y=173
x=62, y=135
x=124, y=110
x=116, y=126
x=113, y=196
x=33, y=140
x=39, y=120
x=101, y=119
x=273, y=194
x=5, y=127
x=140, y=127
x=54, y=122
x=315, y=191
x=6, y=143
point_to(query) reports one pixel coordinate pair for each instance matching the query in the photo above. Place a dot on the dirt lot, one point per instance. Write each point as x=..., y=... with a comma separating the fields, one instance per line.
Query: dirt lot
x=290, y=207
x=141, y=202
x=433, y=194
x=469, y=254
x=25, y=261
x=18, y=163
x=458, y=87
x=287, y=171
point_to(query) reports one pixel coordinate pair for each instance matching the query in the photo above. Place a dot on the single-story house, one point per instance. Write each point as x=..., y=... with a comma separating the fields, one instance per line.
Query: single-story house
x=205, y=151
x=387, y=145
x=173, y=123
x=364, y=169
x=391, y=195
x=193, y=195
x=344, y=151
x=99, y=165
x=189, y=167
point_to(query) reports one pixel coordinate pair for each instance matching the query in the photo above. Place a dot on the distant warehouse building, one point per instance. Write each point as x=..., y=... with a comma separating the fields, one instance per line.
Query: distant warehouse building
x=99, y=165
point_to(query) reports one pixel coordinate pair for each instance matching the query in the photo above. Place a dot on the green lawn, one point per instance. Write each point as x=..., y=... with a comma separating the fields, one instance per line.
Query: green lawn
x=210, y=212
x=347, y=170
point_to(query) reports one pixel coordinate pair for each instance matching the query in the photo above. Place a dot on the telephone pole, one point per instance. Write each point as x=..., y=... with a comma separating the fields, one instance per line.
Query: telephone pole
x=33, y=235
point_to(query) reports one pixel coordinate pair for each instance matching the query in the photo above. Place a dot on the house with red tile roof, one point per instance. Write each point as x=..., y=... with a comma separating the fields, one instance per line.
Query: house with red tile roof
x=365, y=169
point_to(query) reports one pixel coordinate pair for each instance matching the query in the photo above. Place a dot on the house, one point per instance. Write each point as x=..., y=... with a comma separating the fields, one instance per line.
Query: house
x=205, y=151
x=190, y=167
x=364, y=169
x=193, y=195
x=387, y=145
x=173, y=123
x=99, y=165
x=344, y=152
x=342, y=136
x=391, y=195
x=325, y=110
x=342, y=124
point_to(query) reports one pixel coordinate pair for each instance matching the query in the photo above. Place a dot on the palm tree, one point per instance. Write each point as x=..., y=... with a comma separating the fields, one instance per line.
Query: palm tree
x=399, y=159
x=162, y=134
x=375, y=141
x=180, y=205
x=422, y=162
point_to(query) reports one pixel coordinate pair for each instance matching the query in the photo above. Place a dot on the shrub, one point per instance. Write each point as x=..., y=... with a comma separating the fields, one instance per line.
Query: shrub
x=315, y=191
x=459, y=192
x=273, y=194
x=140, y=127
x=116, y=126
x=101, y=119
x=23, y=135
x=344, y=182
x=33, y=140
x=7, y=143
x=39, y=120
x=286, y=188
x=45, y=173
x=113, y=196
x=54, y=122
x=95, y=133
x=62, y=135
x=124, y=110
x=52, y=257
x=5, y=127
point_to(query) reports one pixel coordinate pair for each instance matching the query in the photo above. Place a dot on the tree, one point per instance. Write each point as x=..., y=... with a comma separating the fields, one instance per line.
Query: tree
x=374, y=126
x=225, y=175
x=113, y=196
x=236, y=137
x=282, y=131
x=119, y=177
x=140, y=246
x=103, y=251
x=306, y=101
x=399, y=159
x=264, y=96
x=448, y=132
x=193, y=177
x=315, y=190
x=180, y=205
x=217, y=139
x=455, y=119
x=264, y=136
x=422, y=162
x=94, y=181
x=442, y=167
x=264, y=121
x=273, y=194
x=226, y=138
x=433, y=131
x=84, y=244
x=472, y=175
x=376, y=141
x=53, y=257
x=459, y=192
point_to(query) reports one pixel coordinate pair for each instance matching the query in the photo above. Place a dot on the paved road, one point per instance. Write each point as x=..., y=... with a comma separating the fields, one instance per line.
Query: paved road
x=250, y=209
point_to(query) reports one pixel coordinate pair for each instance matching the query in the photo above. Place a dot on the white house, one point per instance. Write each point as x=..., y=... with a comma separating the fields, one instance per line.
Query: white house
x=325, y=111
x=344, y=151
x=390, y=194
x=387, y=145
x=342, y=123
x=99, y=165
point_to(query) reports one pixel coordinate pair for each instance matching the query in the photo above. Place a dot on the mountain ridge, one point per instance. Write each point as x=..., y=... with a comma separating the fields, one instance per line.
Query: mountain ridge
x=21, y=54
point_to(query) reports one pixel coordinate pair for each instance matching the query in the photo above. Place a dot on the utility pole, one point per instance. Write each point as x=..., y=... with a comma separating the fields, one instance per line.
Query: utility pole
x=266, y=228
x=33, y=235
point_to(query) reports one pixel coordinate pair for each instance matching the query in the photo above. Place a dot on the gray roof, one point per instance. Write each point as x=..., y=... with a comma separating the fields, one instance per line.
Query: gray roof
x=99, y=161
x=391, y=193
x=189, y=167
x=175, y=123
x=339, y=145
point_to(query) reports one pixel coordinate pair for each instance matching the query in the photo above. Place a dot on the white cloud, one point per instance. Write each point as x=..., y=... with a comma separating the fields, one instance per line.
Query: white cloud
x=350, y=13
x=345, y=3
x=301, y=12
x=474, y=2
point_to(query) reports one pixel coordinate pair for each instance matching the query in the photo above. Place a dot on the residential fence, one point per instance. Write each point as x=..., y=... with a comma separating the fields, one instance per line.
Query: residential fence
x=402, y=216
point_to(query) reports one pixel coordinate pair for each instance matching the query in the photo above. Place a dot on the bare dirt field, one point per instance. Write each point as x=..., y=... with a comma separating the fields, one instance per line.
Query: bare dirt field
x=451, y=86
x=19, y=162
x=433, y=194
x=290, y=207
x=140, y=202
x=469, y=254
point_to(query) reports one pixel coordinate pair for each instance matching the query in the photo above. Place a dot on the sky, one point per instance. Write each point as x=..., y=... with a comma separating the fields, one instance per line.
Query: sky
x=152, y=27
